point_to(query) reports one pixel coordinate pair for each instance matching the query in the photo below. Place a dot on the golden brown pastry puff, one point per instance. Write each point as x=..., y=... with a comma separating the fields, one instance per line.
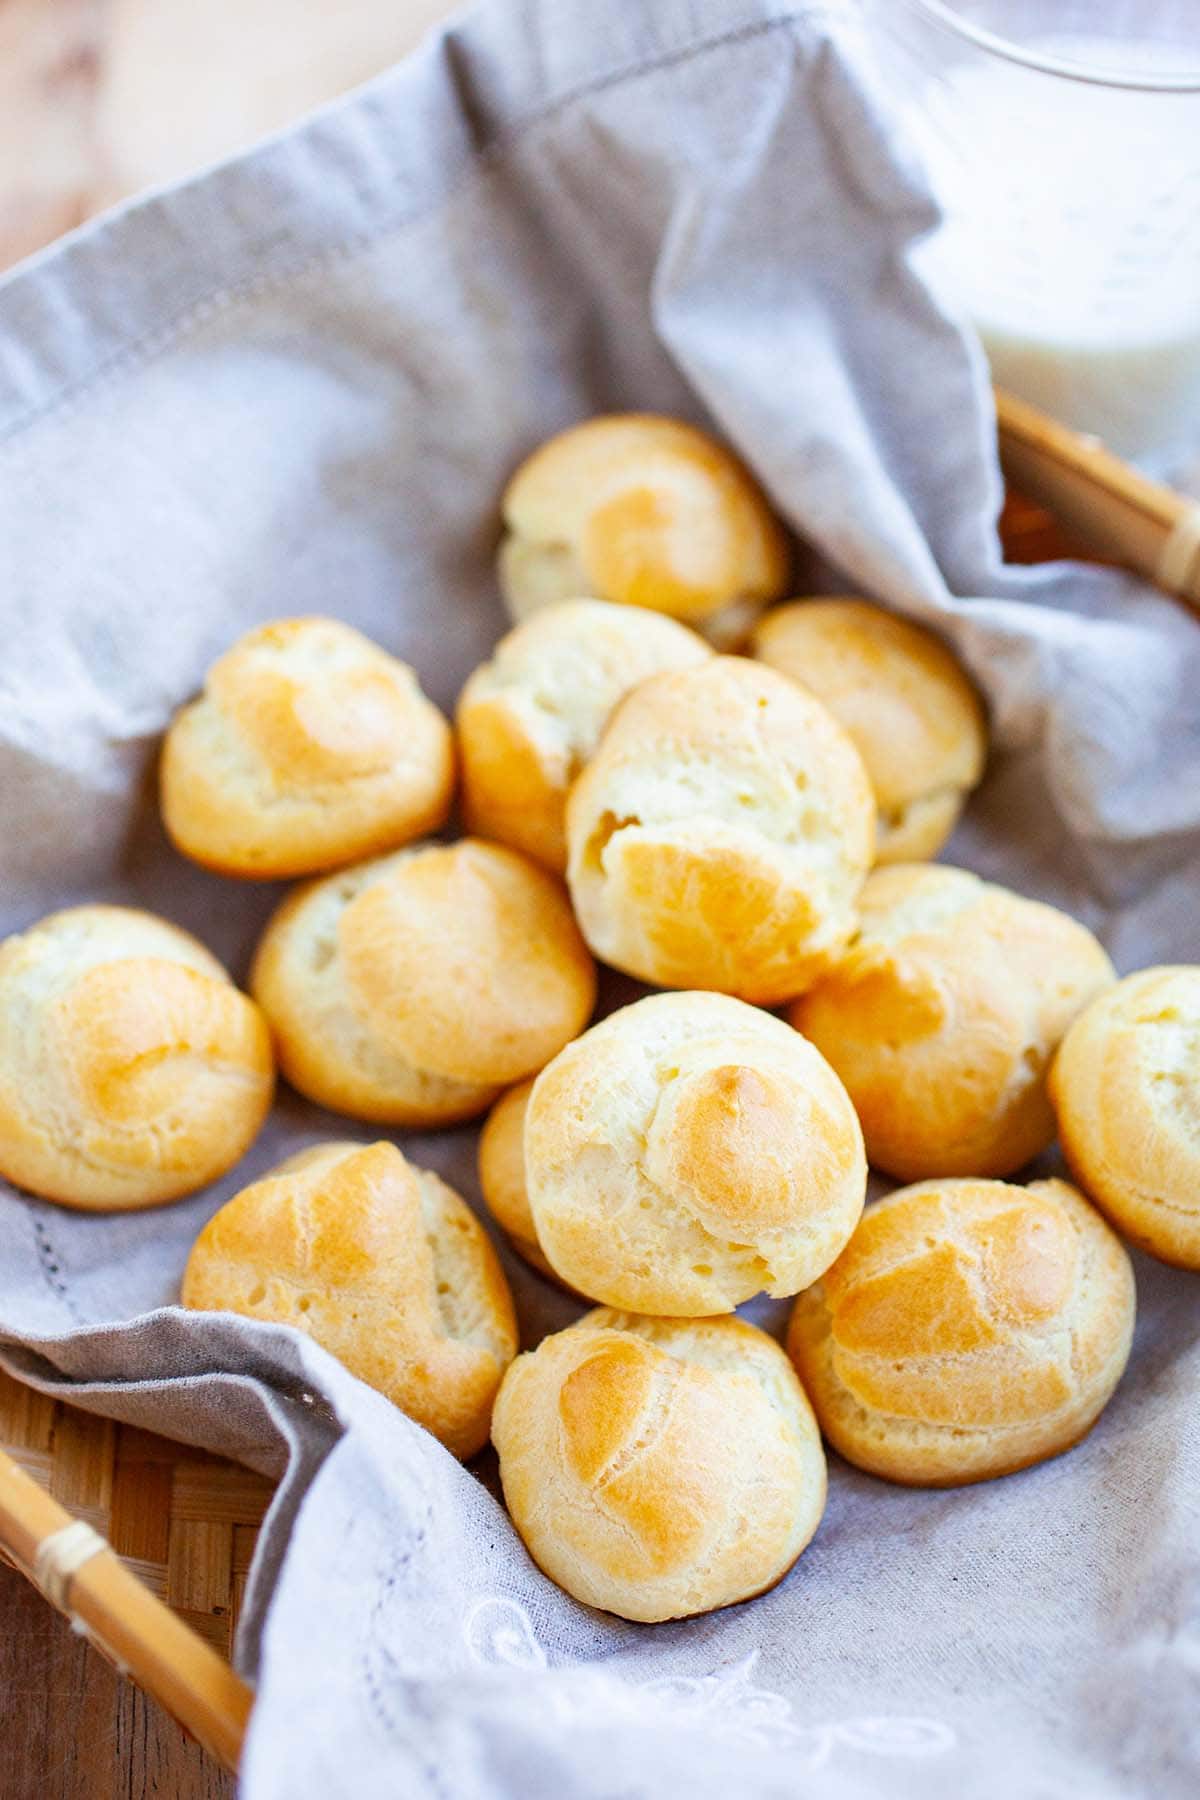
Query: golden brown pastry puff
x=410, y=989
x=382, y=1264
x=502, y=1179
x=529, y=719
x=968, y=1329
x=502, y=1174
x=908, y=705
x=720, y=834
x=132, y=1071
x=645, y=511
x=309, y=747
x=688, y=1152
x=943, y=1016
x=1126, y=1087
x=659, y=1467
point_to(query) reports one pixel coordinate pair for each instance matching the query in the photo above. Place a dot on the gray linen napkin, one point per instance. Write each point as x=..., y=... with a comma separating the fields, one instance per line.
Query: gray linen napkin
x=297, y=384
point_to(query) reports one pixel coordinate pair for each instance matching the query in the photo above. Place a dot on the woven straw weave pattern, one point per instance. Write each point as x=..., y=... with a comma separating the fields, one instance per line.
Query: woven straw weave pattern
x=184, y=1521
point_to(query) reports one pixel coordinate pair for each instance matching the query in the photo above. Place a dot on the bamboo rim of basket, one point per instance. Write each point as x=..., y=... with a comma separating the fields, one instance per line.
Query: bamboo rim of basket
x=85, y=1579
x=1115, y=509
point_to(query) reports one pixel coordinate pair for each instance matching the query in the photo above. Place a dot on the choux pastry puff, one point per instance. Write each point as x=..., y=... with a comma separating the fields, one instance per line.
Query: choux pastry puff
x=1126, y=1088
x=645, y=511
x=915, y=718
x=502, y=1175
x=659, y=1467
x=968, y=1329
x=943, y=1015
x=688, y=1152
x=410, y=989
x=529, y=719
x=719, y=836
x=309, y=747
x=383, y=1265
x=132, y=1071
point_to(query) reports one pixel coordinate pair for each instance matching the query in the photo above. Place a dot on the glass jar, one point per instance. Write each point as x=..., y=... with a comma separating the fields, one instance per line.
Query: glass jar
x=1062, y=138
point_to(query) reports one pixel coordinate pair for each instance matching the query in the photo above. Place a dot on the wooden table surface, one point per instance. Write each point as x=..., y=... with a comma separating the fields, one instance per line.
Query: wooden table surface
x=99, y=98
x=71, y=1728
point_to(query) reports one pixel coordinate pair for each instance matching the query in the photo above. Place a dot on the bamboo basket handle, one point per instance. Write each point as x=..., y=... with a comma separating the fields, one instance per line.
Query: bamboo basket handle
x=83, y=1577
x=1114, y=508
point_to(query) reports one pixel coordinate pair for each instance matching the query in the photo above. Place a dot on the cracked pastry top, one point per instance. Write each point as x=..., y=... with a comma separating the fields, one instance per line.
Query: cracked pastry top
x=310, y=747
x=943, y=1014
x=529, y=719
x=645, y=511
x=410, y=989
x=907, y=703
x=1126, y=1088
x=688, y=1152
x=659, y=1467
x=721, y=833
x=968, y=1329
x=132, y=1071
x=383, y=1265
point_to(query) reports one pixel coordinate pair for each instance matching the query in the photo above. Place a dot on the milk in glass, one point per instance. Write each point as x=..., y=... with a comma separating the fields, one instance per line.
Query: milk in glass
x=1075, y=247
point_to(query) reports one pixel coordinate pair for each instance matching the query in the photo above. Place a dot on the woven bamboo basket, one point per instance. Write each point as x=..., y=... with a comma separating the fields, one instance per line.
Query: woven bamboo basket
x=162, y=1599
x=146, y=1544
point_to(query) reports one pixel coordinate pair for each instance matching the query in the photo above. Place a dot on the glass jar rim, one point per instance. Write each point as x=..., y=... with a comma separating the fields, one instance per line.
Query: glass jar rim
x=1182, y=81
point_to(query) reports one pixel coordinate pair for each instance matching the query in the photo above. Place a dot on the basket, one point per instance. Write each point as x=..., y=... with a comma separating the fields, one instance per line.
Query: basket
x=145, y=1544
